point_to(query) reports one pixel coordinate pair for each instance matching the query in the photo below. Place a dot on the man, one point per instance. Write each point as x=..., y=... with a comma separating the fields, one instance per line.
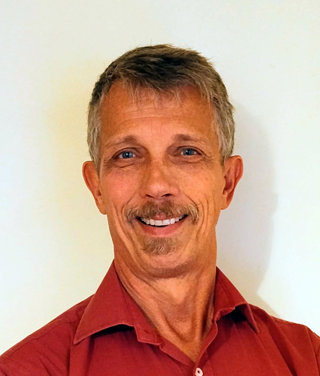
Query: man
x=160, y=137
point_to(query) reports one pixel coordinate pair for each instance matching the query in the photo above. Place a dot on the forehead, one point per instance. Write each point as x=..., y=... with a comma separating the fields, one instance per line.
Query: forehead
x=123, y=110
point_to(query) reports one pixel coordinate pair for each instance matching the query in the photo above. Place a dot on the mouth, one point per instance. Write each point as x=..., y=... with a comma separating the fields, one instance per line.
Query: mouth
x=161, y=222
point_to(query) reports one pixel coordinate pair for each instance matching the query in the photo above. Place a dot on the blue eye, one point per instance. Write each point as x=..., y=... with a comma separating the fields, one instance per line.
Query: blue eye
x=189, y=151
x=126, y=155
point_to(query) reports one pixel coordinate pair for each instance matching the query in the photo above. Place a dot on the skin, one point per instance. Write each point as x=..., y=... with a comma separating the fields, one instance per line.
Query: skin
x=156, y=149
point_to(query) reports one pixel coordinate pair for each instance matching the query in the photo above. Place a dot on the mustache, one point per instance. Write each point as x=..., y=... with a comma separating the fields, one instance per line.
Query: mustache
x=167, y=208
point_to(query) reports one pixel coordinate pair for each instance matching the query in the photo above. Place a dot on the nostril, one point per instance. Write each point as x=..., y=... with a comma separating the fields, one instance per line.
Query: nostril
x=155, y=195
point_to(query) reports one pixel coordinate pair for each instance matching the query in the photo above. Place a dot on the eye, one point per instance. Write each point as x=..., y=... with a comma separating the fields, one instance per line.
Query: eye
x=126, y=154
x=189, y=151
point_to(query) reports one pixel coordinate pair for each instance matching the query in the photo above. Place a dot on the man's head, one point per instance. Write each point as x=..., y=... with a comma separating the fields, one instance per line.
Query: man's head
x=162, y=169
x=164, y=68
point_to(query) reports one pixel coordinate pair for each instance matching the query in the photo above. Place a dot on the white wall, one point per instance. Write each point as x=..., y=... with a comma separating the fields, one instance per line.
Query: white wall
x=54, y=244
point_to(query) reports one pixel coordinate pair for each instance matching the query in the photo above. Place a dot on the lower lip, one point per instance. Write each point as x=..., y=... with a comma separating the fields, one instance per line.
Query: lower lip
x=163, y=230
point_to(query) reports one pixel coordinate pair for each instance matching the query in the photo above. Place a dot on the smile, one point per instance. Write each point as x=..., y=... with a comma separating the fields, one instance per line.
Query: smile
x=161, y=222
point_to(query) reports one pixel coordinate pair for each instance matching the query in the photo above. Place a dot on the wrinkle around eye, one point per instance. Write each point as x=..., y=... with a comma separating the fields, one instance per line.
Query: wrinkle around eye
x=196, y=156
x=189, y=153
x=122, y=158
x=126, y=153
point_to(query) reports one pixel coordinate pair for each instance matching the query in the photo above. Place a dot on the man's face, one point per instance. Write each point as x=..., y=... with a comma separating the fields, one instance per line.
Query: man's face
x=161, y=181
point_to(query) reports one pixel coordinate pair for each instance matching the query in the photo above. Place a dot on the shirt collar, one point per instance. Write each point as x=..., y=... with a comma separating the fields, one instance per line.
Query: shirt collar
x=228, y=299
x=111, y=306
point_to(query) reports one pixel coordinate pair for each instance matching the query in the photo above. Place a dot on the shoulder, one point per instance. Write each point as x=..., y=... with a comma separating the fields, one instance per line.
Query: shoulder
x=53, y=341
x=287, y=334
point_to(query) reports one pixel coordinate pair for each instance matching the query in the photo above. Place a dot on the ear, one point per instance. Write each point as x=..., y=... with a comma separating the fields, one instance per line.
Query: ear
x=92, y=180
x=233, y=169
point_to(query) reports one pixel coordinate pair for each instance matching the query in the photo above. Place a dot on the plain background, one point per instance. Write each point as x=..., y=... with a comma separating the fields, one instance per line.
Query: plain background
x=55, y=248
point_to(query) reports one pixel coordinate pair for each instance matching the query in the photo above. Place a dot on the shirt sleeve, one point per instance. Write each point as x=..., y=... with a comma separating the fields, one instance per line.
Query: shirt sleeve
x=23, y=362
x=315, y=339
x=44, y=353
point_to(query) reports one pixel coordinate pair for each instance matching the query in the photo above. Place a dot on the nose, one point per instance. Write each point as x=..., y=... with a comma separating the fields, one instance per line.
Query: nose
x=158, y=181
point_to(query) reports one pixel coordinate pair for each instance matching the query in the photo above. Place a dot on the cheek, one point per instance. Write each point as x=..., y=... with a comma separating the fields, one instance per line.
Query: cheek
x=207, y=191
x=117, y=190
x=209, y=186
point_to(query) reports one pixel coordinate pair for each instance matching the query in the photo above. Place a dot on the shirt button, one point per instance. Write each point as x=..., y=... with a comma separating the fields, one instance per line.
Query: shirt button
x=199, y=372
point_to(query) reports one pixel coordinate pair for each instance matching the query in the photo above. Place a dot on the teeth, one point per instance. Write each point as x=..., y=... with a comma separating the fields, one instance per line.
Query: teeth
x=159, y=222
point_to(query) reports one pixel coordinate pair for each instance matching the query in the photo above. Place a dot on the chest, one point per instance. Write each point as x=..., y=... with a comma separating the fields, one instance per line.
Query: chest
x=233, y=351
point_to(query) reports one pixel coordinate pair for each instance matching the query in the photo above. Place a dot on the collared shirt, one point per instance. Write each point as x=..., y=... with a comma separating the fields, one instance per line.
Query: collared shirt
x=108, y=334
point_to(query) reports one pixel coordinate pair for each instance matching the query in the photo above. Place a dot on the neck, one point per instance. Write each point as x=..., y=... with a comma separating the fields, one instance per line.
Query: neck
x=180, y=308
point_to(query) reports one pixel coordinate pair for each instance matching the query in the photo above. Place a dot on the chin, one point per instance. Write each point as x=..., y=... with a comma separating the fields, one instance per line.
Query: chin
x=167, y=260
x=160, y=246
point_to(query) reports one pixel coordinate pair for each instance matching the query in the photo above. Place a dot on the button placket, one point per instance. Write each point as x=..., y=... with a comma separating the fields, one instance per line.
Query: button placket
x=198, y=372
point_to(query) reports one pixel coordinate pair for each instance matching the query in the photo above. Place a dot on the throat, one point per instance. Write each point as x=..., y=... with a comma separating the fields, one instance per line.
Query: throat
x=189, y=336
x=183, y=317
x=179, y=306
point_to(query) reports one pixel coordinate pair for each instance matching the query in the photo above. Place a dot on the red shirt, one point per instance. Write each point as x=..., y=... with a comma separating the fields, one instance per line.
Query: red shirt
x=108, y=334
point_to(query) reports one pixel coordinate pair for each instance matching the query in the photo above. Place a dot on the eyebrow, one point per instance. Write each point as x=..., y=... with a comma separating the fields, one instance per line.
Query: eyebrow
x=130, y=139
x=121, y=140
x=186, y=137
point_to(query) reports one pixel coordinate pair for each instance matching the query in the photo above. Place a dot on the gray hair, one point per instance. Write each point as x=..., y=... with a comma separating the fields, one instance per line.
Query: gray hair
x=163, y=68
